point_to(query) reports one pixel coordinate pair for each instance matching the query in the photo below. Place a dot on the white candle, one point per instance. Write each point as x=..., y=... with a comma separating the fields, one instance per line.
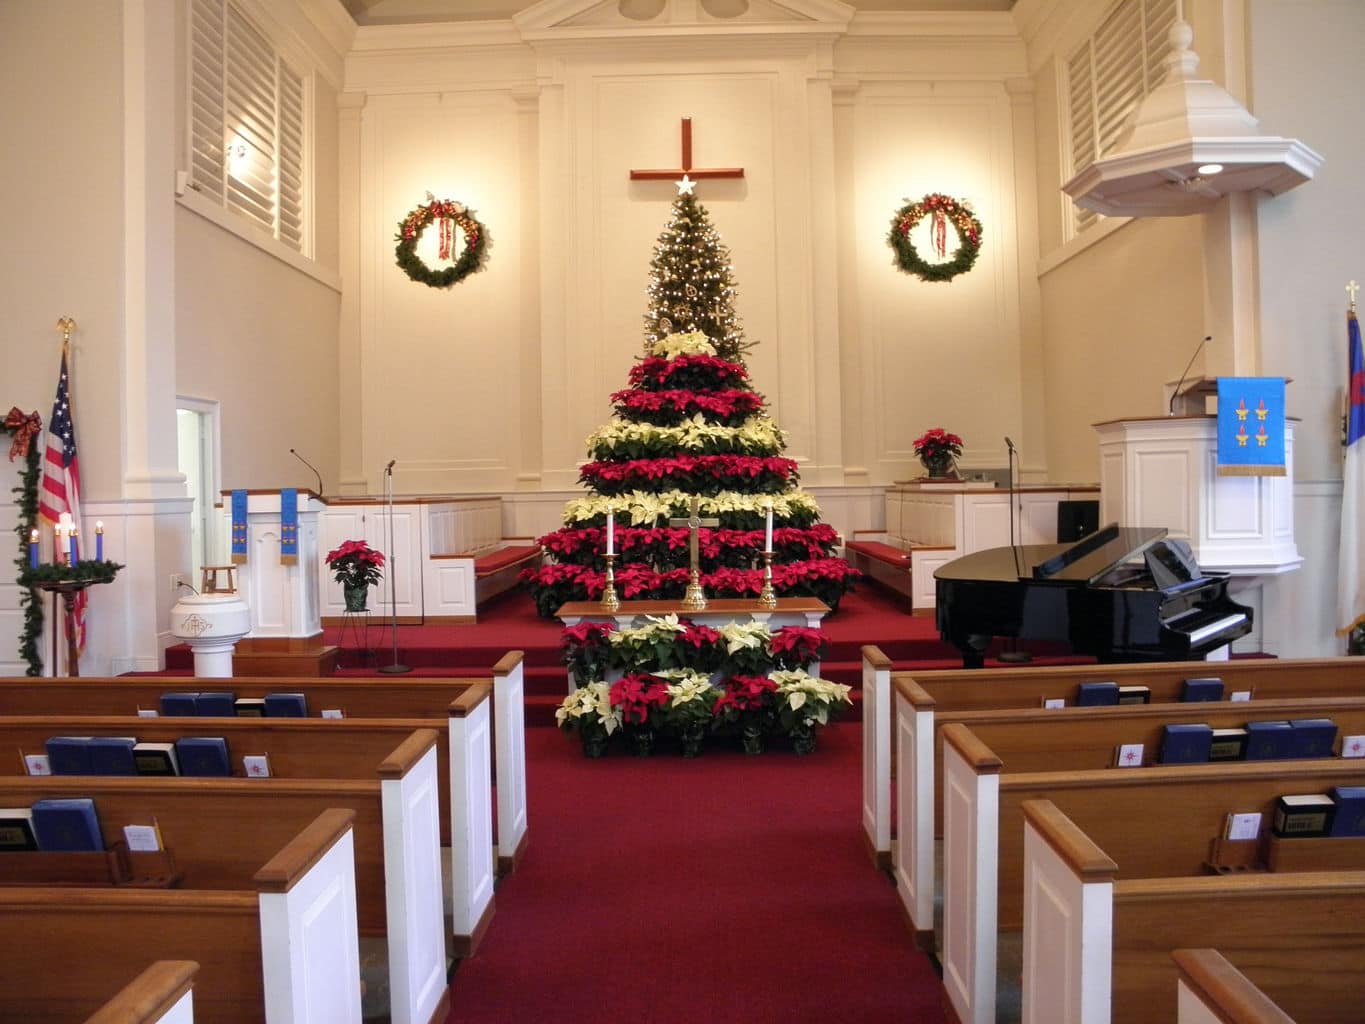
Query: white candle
x=611, y=532
x=768, y=533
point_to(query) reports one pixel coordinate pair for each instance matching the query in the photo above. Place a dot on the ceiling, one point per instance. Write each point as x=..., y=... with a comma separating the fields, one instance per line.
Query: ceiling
x=390, y=12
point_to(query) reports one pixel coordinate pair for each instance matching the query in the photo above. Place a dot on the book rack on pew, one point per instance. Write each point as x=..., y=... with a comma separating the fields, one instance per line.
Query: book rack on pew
x=115, y=866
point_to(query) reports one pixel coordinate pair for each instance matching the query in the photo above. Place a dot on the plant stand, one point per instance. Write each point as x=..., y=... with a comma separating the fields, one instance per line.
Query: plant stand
x=68, y=589
x=355, y=629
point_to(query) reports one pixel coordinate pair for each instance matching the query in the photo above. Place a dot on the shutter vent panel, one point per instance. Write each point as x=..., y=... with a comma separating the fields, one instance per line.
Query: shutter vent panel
x=291, y=137
x=206, y=97
x=250, y=122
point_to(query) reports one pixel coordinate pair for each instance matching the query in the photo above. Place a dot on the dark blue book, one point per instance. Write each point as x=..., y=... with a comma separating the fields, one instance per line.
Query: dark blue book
x=112, y=755
x=216, y=705
x=1269, y=741
x=1186, y=743
x=1095, y=695
x=67, y=825
x=203, y=756
x=180, y=705
x=1349, y=819
x=286, y=705
x=1207, y=688
x=69, y=755
x=1313, y=737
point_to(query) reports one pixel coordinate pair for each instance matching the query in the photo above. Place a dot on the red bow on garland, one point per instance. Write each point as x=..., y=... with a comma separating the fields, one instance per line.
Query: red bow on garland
x=24, y=428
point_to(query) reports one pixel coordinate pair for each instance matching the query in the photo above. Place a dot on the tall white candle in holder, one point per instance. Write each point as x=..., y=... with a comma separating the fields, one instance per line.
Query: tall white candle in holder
x=611, y=531
x=768, y=532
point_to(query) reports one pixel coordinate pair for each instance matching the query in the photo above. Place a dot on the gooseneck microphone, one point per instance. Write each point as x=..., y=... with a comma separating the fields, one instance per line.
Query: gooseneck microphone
x=310, y=466
x=1170, y=409
x=389, y=467
x=1009, y=444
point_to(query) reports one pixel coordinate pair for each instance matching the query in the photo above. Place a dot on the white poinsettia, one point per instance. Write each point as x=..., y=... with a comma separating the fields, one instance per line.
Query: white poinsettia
x=740, y=636
x=592, y=702
x=689, y=685
x=798, y=689
x=757, y=435
x=690, y=344
x=640, y=508
x=656, y=627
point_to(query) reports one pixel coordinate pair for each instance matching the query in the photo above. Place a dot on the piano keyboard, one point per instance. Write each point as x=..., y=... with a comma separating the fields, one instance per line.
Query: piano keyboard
x=1215, y=627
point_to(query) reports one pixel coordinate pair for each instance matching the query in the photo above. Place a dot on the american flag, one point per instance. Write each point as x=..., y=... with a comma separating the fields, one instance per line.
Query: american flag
x=61, y=490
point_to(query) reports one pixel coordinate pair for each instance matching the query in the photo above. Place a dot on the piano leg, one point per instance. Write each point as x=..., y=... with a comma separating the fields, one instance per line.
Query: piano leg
x=973, y=649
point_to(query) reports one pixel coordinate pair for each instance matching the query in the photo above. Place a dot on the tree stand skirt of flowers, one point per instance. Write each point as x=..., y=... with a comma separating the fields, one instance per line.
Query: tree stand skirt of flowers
x=684, y=685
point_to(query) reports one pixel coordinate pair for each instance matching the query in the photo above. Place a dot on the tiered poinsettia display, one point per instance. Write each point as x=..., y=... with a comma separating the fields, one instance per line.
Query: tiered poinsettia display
x=689, y=425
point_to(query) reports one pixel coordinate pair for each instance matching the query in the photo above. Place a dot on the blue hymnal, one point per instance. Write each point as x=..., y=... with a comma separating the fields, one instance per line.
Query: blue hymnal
x=1313, y=737
x=203, y=755
x=67, y=825
x=286, y=705
x=69, y=755
x=1186, y=743
x=1349, y=819
x=1091, y=695
x=1204, y=689
x=216, y=705
x=112, y=755
x=1269, y=741
x=179, y=705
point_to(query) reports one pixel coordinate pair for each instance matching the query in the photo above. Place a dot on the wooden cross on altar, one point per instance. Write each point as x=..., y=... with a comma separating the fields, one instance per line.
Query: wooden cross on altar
x=686, y=171
x=695, y=598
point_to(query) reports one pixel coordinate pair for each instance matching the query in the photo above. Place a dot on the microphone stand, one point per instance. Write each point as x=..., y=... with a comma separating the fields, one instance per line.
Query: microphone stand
x=1013, y=655
x=394, y=668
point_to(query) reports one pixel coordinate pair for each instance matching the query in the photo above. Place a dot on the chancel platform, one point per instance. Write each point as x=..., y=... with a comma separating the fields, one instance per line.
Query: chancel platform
x=790, y=611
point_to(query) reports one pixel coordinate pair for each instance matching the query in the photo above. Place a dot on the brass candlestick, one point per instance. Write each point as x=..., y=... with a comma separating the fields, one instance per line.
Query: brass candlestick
x=767, y=597
x=610, y=602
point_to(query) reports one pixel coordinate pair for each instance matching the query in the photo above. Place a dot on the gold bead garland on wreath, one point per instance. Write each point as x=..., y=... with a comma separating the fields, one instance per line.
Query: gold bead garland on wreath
x=447, y=215
x=940, y=209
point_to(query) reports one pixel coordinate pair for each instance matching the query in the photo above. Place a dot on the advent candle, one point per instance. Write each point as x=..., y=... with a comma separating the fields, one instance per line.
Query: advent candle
x=33, y=548
x=611, y=531
x=99, y=541
x=57, y=542
x=75, y=555
x=768, y=532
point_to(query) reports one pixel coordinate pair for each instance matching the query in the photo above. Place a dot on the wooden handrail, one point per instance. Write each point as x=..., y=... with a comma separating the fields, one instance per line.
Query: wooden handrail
x=1289, y=771
x=981, y=758
x=465, y=703
x=406, y=755
x=1245, y=886
x=873, y=655
x=1225, y=989
x=1069, y=842
x=508, y=663
x=150, y=995
x=303, y=851
x=912, y=691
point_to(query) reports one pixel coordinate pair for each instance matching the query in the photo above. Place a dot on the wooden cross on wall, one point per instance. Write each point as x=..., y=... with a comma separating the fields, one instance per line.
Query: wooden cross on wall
x=686, y=171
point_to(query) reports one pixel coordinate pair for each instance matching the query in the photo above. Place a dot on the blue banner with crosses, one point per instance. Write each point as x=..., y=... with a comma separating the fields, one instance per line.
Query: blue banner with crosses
x=1251, y=426
x=289, y=526
x=238, y=527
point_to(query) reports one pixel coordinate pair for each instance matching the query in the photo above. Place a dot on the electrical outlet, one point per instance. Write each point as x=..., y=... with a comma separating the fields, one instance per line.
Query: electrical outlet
x=177, y=581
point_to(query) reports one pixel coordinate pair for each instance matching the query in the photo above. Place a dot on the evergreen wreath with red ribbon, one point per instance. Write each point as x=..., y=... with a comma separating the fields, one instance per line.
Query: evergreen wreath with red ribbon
x=448, y=215
x=940, y=209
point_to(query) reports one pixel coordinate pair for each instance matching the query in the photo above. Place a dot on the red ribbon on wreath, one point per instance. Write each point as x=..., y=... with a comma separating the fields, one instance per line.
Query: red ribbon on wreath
x=940, y=234
x=447, y=237
x=24, y=428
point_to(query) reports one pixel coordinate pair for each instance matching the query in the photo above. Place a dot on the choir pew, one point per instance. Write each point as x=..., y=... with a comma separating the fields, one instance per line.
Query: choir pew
x=391, y=697
x=80, y=944
x=315, y=748
x=1000, y=688
x=1037, y=739
x=162, y=994
x=1162, y=819
x=1098, y=947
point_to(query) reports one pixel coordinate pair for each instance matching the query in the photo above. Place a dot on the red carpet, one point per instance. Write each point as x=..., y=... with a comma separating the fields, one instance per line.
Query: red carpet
x=726, y=888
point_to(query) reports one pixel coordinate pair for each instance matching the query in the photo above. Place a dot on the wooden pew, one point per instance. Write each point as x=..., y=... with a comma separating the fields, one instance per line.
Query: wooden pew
x=162, y=994
x=1098, y=948
x=80, y=944
x=406, y=698
x=1162, y=818
x=217, y=830
x=1036, y=739
x=1211, y=991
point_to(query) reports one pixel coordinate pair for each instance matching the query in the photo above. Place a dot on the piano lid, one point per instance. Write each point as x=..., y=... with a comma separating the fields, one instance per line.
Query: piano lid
x=1082, y=562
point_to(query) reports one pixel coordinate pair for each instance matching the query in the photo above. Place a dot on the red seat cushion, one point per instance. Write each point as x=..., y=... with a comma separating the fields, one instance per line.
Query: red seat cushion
x=878, y=550
x=501, y=558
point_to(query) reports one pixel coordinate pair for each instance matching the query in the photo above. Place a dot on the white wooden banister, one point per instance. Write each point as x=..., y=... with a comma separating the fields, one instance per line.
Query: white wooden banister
x=471, y=817
x=509, y=733
x=913, y=865
x=877, y=713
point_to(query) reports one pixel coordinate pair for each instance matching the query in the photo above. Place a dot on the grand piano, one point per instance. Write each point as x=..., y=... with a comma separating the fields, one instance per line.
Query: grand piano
x=1120, y=594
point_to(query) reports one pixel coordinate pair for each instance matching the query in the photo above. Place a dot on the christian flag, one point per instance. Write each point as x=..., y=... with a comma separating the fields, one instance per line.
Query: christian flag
x=61, y=489
x=1351, y=579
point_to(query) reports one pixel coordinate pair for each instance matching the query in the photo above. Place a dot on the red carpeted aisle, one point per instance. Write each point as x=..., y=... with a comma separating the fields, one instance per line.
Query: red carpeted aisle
x=726, y=888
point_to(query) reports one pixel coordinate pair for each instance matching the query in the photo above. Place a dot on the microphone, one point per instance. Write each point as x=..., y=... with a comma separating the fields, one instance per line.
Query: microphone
x=310, y=466
x=1170, y=409
x=1009, y=444
x=389, y=467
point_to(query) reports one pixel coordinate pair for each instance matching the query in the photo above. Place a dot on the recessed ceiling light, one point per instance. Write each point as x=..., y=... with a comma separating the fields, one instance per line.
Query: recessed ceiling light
x=1209, y=168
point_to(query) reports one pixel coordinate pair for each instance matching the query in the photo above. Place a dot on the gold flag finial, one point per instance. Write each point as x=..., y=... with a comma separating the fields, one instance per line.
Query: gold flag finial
x=1351, y=289
x=66, y=325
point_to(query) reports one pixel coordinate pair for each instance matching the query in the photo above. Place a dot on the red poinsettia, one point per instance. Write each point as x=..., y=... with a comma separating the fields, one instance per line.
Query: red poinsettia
x=355, y=564
x=745, y=693
x=657, y=370
x=937, y=444
x=637, y=695
x=795, y=646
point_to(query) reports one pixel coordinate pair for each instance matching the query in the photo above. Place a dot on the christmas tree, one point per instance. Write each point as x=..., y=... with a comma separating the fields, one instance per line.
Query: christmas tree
x=690, y=426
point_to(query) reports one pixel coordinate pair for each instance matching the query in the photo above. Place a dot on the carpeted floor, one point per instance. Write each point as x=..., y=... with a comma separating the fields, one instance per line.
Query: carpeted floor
x=726, y=888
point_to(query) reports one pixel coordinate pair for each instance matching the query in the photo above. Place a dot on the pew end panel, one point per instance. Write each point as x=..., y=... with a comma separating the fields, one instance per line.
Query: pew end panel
x=913, y=865
x=162, y=994
x=471, y=819
x=877, y=714
x=1212, y=991
x=509, y=764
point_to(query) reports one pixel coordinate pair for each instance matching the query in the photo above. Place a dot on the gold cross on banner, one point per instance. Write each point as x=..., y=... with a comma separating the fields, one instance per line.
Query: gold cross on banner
x=695, y=598
x=686, y=170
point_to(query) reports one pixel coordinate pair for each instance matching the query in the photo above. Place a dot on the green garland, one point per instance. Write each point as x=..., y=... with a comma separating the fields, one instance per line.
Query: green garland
x=84, y=571
x=27, y=492
x=410, y=229
x=936, y=205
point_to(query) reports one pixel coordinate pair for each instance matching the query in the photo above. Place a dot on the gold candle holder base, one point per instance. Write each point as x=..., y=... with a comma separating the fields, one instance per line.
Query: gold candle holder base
x=694, y=600
x=610, y=602
x=767, y=597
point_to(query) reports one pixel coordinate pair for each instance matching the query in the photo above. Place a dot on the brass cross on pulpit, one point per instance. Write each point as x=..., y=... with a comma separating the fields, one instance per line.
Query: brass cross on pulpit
x=695, y=598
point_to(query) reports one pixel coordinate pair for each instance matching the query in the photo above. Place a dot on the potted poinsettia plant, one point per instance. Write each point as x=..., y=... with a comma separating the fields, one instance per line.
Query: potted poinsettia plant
x=804, y=703
x=357, y=567
x=747, y=704
x=639, y=698
x=589, y=712
x=688, y=712
x=937, y=449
